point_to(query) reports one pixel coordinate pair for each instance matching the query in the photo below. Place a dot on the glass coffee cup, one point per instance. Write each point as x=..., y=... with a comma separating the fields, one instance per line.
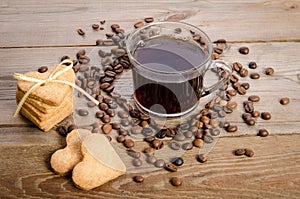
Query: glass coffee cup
x=169, y=62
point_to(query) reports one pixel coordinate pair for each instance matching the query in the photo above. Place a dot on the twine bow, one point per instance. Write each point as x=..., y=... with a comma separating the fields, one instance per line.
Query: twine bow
x=52, y=78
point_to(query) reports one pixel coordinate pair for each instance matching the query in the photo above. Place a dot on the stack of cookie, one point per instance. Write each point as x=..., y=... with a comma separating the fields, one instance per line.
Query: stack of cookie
x=47, y=104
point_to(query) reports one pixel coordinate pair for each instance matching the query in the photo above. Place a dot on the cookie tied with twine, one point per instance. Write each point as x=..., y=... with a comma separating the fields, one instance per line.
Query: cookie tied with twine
x=47, y=98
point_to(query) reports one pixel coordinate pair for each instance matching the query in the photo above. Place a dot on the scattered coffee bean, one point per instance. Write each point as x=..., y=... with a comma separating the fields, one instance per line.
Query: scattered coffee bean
x=161, y=134
x=147, y=131
x=248, y=106
x=245, y=85
x=284, y=101
x=254, y=76
x=243, y=72
x=151, y=159
x=218, y=50
x=134, y=154
x=103, y=106
x=123, y=132
x=174, y=145
x=110, y=112
x=232, y=105
x=125, y=122
x=149, y=139
x=202, y=158
x=265, y=115
x=95, y=26
x=187, y=146
x=106, y=118
x=263, y=132
x=129, y=143
x=269, y=71
x=232, y=128
x=250, y=122
x=149, y=150
x=244, y=50
x=157, y=144
x=241, y=90
x=188, y=134
x=42, y=69
x=255, y=114
x=80, y=32
x=137, y=162
x=106, y=128
x=231, y=92
x=171, y=167
x=138, y=179
x=136, y=130
x=215, y=132
x=178, y=161
x=179, y=137
x=249, y=152
x=121, y=138
x=237, y=66
x=198, y=143
x=99, y=114
x=138, y=24
x=160, y=163
x=252, y=65
x=149, y=19
x=254, y=98
x=175, y=181
x=239, y=152
x=62, y=130
x=123, y=114
x=83, y=112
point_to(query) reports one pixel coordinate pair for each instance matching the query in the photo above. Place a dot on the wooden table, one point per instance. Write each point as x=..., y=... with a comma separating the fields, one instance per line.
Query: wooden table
x=35, y=33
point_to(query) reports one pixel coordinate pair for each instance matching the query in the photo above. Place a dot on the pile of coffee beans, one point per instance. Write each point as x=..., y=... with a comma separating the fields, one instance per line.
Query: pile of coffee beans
x=116, y=114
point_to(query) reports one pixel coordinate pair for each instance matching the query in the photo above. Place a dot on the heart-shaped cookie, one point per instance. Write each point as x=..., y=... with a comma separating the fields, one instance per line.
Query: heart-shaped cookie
x=51, y=93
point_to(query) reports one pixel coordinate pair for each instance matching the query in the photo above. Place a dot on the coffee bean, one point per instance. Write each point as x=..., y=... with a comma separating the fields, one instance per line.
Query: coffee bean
x=222, y=114
x=244, y=50
x=125, y=122
x=177, y=161
x=149, y=139
x=106, y=118
x=123, y=114
x=231, y=92
x=109, y=89
x=103, y=106
x=208, y=139
x=134, y=113
x=157, y=144
x=252, y=65
x=232, y=128
x=243, y=72
x=161, y=134
x=269, y=71
x=248, y=106
x=236, y=85
x=245, y=85
x=80, y=53
x=99, y=114
x=254, y=98
x=137, y=162
x=160, y=163
x=42, y=69
x=128, y=143
x=249, y=152
x=202, y=158
x=149, y=150
x=188, y=134
x=198, y=143
x=250, y=122
x=123, y=132
x=237, y=66
x=171, y=167
x=187, y=146
x=114, y=26
x=225, y=125
x=138, y=24
x=91, y=104
x=83, y=59
x=134, y=154
x=255, y=114
x=147, y=131
x=254, y=76
x=151, y=159
x=215, y=132
x=179, y=137
x=215, y=56
x=62, y=130
x=263, y=132
x=265, y=115
x=121, y=138
x=241, y=90
x=80, y=32
x=83, y=112
x=174, y=145
x=95, y=26
x=232, y=105
x=116, y=126
x=284, y=101
x=175, y=181
x=218, y=50
x=149, y=19
x=136, y=130
x=99, y=42
x=110, y=112
x=138, y=179
x=239, y=152
x=106, y=128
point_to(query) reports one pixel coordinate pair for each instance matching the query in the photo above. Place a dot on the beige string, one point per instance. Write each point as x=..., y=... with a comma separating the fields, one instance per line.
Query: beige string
x=52, y=78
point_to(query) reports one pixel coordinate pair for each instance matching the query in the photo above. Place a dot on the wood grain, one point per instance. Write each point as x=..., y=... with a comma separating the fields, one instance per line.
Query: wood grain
x=54, y=23
x=272, y=173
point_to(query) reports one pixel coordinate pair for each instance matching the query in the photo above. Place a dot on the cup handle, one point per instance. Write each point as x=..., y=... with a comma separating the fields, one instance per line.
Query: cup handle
x=225, y=72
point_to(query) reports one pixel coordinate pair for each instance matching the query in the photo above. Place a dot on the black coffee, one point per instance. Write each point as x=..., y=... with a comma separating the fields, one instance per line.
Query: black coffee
x=174, y=92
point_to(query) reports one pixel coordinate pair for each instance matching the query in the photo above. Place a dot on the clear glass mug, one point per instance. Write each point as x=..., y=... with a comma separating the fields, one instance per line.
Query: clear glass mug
x=169, y=61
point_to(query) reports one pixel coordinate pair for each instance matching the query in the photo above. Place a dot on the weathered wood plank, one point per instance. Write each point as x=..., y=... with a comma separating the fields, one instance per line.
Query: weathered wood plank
x=54, y=23
x=273, y=172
